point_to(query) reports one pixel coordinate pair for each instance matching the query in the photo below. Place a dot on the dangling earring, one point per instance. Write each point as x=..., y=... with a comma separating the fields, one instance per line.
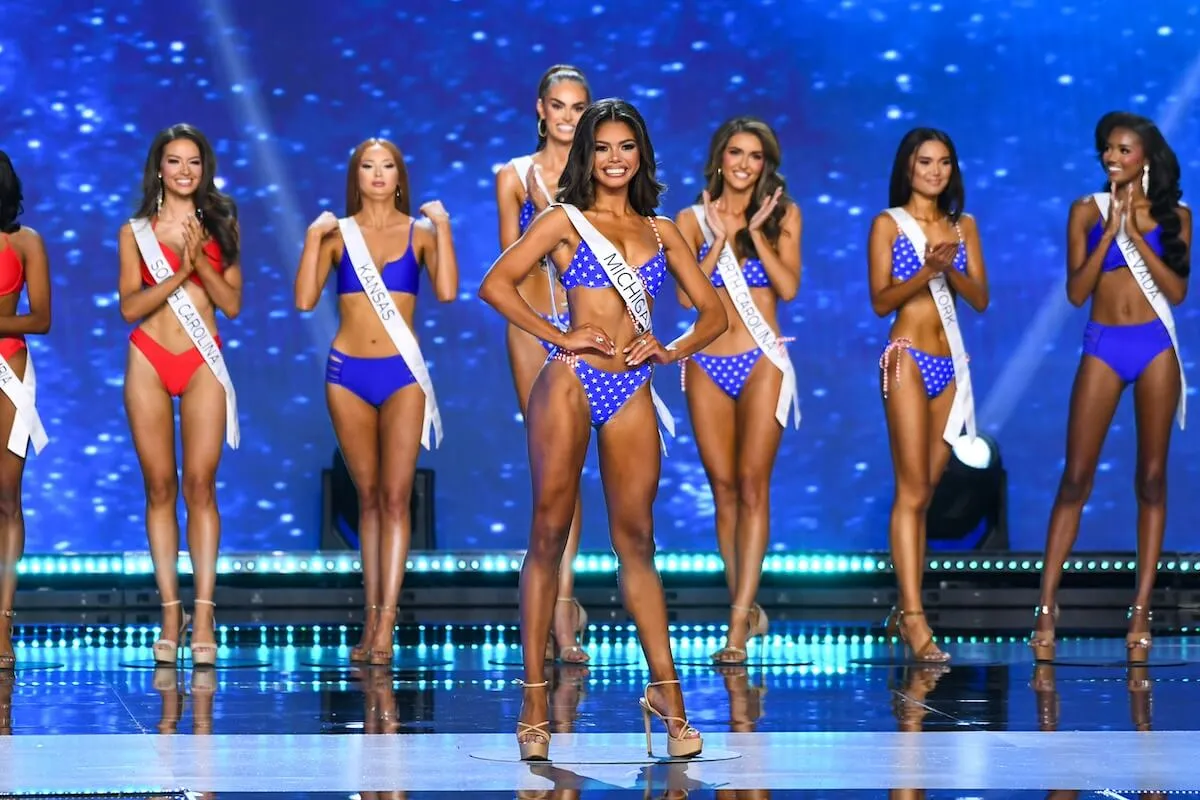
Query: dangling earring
x=158, y=205
x=1146, y=180
x=541, y=128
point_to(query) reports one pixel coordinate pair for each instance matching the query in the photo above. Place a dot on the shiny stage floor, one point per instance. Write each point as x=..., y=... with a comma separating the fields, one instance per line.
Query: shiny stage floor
x=817, y=713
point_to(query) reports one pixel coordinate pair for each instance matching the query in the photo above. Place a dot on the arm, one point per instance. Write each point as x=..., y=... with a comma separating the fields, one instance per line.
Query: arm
x=1083, y=268
x=1173, y=287
x=316, y=262
x=138, y=302
x=886, y=296
x=693, y=237
x=972, y=287
x=782, y=264
x=440, y=258
x=37, y=280
x=711, y=321
x=499, y=287
x=224, y=288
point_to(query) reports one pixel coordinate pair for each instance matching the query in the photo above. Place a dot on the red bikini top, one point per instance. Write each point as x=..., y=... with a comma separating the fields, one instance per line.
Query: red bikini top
x=211, y=249
x=12, y=272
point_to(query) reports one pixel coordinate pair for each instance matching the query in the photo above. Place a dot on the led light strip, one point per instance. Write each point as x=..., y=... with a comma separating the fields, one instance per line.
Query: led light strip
x=345, y=563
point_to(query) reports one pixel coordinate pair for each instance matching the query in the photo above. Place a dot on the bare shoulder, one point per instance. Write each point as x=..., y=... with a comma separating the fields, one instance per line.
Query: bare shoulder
x=884, y=224
x=507, y=179
x=667, y=228
x=968, y=224
x=1084, y=210
x=1185, y=214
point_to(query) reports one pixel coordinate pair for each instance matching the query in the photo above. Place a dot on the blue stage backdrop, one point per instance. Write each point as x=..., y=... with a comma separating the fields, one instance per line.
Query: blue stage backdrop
x=285, y=95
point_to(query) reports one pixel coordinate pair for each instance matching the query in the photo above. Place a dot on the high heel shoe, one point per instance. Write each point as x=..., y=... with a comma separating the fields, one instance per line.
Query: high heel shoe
x=1137, y=644
x=8, y=661
x=554, y=653
x=382, y=658
x=753, y=630
x=205, y=655
x=1043, y=645
x=681, y=746
x=928, y=652
x=166, y=651
x=538, y=747
x=358, y=653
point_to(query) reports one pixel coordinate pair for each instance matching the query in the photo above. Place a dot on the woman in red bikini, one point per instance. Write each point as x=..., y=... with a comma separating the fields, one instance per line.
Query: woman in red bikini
x=179, y=264
x=22, y=263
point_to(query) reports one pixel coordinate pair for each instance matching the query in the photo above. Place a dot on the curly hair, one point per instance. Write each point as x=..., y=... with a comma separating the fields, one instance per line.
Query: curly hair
x=216, y=210
x=1164, y=193
x=768, y=182
x=576, y=185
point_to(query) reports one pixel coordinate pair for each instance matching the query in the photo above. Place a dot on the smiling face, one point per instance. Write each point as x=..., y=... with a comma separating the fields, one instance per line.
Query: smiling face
x=378, y=173
x=1124, y=156
x=742, y=161
x=560, y=109
x=181, y=167
x=931, y=168
x=617, y=157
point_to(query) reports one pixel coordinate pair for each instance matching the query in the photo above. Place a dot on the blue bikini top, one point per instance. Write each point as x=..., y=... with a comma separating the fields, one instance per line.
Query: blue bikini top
x=401, y=275
x=585, y=270
x=906, y=262
x=526, y=215
x=752, y=268
x=1114, y=259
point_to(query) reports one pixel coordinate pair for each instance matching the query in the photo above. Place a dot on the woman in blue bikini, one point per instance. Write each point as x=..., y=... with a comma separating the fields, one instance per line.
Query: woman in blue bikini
x=598, y=376
x=524, y=187
x=924, y=252
x=376, y=402
x=740, y=401
x=1129, y=250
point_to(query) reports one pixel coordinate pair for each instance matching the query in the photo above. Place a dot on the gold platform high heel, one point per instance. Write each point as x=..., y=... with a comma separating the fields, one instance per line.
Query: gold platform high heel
x=8, y=661
x=581, y=621
x=928, y=652
x=166, y=651
x=383, y=658
x=1041, y=642
x=681, y=746
x=753, y=630
x=358, y=653
x=205, y=655
x=538, y=746
x=1137, y=644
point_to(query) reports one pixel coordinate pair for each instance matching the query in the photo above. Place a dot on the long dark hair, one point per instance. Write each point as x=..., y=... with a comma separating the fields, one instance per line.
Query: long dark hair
x=953, y=198
x=354, y=194
x=575, y=185
x=216, y=210
x=551, y=77
x=11, y=197
x=1164, y=192
x=768, y=182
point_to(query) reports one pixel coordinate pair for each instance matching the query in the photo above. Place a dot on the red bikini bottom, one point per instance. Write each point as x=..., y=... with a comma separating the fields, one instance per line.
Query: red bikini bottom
x=175, y=370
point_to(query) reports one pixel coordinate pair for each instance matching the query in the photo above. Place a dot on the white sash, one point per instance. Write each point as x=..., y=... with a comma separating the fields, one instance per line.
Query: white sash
x=1155, y=297
x=190, y=321
x=522, y=164
x=628, y=284
x=752, y=318
x=962, y=412
x=27, y=425
x=397, y=330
